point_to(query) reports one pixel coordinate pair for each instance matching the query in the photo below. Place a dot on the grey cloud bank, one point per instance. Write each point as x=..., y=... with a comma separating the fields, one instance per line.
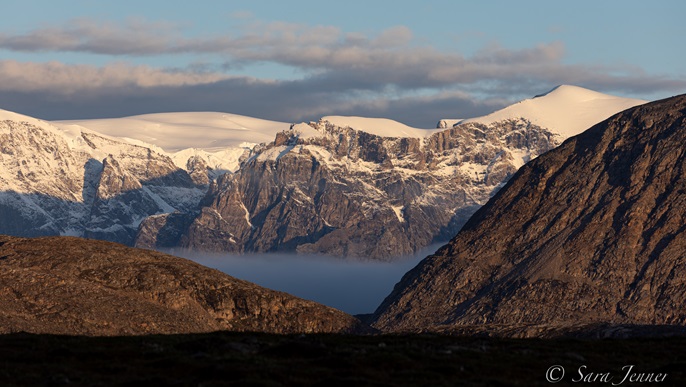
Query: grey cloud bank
x=288, y=101
x=385, y=75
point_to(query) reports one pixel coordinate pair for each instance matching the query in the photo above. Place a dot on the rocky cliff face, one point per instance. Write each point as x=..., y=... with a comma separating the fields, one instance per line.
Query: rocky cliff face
x=84, y=184
x=64, y=285
x=592, y=232
x=350, y=193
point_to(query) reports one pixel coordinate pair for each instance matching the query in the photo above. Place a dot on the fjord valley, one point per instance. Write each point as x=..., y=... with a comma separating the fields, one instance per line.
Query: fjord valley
x=579, y=236
x=312, y=193
x=377, y=189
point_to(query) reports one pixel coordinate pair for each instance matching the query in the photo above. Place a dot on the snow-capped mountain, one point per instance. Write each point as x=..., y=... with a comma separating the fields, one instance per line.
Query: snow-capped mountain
x=351, y=193
x=566, y=110
x=349, y=186
x=223, y=140
x=73, y=181
x=375, y=188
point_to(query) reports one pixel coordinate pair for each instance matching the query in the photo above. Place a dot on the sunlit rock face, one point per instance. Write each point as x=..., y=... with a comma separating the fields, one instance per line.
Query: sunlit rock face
x=350, y=193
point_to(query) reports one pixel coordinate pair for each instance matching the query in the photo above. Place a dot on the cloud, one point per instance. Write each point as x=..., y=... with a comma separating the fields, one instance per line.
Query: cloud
x=135, y=37
x=63, y=91
x=386, y=74
x=60, y=78
x=339, y=59
x=60, y=91
x=138, y=37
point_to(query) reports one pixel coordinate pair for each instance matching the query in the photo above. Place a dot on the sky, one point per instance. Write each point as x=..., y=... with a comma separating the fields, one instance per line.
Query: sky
x=415, y=62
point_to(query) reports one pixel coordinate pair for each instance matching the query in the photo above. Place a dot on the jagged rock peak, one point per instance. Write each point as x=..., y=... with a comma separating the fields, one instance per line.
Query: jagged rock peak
x=347, y=192
x=198, y=170
x=114, y=181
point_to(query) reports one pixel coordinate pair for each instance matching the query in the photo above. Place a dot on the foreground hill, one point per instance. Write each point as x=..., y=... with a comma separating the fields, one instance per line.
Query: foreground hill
x=65, y=285
x=594, y=231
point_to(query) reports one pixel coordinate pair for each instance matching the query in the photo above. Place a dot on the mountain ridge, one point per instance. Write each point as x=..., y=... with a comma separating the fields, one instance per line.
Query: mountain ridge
x=56, y=182
x=343, y=186
x=318, y=187
x=591, y=232
x=155, y=128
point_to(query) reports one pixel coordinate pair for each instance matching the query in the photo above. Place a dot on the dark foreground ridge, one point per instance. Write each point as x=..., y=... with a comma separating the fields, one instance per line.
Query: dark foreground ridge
x=73, y=286
x=592, y=232
x=244, y=359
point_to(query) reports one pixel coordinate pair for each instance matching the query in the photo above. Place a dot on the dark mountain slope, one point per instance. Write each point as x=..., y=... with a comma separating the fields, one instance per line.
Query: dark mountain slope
x=593, y=231
x=63, y=285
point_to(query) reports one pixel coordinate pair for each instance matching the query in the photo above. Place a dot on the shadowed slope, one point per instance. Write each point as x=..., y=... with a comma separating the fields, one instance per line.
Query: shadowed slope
x=593, y=231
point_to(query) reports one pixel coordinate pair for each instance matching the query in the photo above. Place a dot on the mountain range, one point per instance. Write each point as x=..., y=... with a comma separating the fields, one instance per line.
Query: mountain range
x=345, y=186
x=588, y=237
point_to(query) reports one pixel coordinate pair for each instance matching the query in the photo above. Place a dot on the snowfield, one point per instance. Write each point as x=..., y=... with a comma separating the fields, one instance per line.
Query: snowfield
x=383, y=127
x=565, y=110
x=209, y=131
x=218, y=138
x=223, y=139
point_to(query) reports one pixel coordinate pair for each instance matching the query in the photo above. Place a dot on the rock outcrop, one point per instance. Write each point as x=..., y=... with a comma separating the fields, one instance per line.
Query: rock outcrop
x=593, y=232
x=65, y=285
x=346, y=192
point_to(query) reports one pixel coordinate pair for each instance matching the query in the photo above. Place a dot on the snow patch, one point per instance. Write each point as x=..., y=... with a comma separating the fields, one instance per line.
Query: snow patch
x=383, y=127
x=274, y=153
x=247, y=215
x=399, y=213
x=306, y=131
x=521, y=157
x=226, y=160
x=164, y=206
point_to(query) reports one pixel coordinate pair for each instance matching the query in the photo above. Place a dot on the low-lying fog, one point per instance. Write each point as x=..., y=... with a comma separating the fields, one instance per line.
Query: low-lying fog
x=352, y=286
